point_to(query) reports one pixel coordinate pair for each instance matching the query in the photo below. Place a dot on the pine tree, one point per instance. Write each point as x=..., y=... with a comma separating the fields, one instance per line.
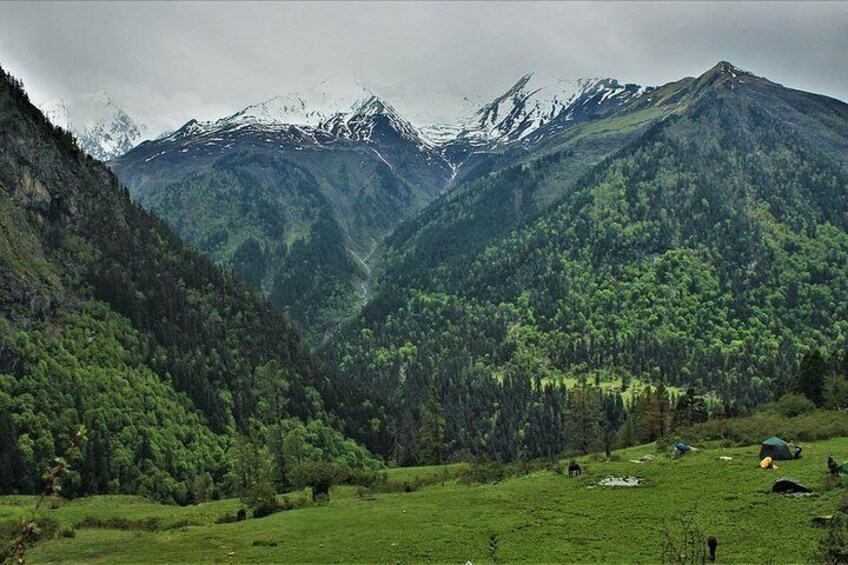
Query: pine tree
x=431, y=435
x=584, y=416
x=811, y=377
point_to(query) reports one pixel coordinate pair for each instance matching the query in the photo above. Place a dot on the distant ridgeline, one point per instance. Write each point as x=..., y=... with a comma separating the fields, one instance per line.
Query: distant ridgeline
x=695, y=237
x=108, y=320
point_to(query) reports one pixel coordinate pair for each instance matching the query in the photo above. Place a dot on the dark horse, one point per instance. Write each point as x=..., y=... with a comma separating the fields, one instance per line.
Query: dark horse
x=574, y=469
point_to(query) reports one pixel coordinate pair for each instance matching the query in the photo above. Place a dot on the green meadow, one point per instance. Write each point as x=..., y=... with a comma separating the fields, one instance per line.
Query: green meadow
x=543, y=516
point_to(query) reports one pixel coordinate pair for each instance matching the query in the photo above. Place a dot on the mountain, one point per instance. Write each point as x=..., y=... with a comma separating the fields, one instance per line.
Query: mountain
x=103, y=130
x=531, y=111
x=249, y=189
x=108, y=320
x=695, y=236
x=533, y=104
x=294, y=194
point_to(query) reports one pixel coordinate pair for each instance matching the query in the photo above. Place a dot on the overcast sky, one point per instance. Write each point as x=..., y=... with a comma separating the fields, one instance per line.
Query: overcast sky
x=170, y=62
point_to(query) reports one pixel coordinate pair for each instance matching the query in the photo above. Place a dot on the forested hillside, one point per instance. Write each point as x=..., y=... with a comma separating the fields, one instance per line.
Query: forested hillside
x=107, y=320
x=297, y=214
x=709, y=252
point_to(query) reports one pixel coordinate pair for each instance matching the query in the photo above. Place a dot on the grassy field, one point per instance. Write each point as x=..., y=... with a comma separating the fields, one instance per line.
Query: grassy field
x=542, y=517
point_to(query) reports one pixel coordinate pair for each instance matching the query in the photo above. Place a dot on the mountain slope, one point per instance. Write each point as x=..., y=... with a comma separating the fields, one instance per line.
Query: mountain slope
x=103, y=130
x=249, y=191
x=108, y=320
x=708, y=250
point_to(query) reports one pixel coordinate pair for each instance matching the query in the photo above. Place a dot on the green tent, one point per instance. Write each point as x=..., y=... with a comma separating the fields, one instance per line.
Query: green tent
x=775, y=448
x=843, y=469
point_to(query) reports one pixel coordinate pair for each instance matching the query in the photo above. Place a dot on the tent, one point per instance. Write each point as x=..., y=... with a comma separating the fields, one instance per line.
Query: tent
x=843, y=469
x=775, y=448
x=768, y=463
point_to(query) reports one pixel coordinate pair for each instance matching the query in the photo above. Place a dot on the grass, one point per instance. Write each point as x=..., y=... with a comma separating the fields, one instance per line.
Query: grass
x=542, y=517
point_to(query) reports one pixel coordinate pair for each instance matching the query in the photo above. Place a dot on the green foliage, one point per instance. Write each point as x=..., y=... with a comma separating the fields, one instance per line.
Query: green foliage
x=451, y=522
x=319, y=476
x=791, y=405
x=810, y=380
x=252, y=474
x=432, y=432
x=313, y=283
x=816, y=425
x=833, y=548
x=111, y=322
x=707, y=254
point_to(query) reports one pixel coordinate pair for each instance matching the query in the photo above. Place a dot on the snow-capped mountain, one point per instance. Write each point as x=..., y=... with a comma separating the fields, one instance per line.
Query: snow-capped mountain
x=339, y=110
x=535, y=103
x=365, y=119
x=102, y=129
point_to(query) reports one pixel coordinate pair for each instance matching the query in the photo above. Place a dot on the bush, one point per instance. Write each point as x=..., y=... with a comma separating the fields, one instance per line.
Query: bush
x=68, y=533
x=320, y=476
x=29, y=533
x=490, y=472
x=833, y=548
x=791, y=405
x=265, y=509
x=150, y=524
x=294, y=503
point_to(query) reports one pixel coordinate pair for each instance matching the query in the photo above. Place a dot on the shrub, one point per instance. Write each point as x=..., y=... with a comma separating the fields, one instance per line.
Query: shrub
x=319, y=476
x=150, y=524
x=791, y=405
x=833, y=547
x=265, y=509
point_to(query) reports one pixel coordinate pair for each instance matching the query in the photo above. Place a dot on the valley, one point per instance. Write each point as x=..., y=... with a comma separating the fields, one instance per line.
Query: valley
x=457, y=312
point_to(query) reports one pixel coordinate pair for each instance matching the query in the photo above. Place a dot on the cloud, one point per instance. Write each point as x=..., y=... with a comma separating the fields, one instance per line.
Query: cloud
x=170, y=62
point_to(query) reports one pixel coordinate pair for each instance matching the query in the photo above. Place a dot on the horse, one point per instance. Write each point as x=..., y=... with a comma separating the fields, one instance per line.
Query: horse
x=574, y=469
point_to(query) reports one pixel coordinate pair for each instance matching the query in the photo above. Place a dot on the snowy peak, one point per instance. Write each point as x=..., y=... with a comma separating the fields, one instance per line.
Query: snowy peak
x=339, y=108
x=311, y=107
x=535, y=101
x=102, y=129
x=367, y=118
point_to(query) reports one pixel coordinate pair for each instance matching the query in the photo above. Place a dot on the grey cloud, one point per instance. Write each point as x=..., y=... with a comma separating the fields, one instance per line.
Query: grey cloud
x=168, y=62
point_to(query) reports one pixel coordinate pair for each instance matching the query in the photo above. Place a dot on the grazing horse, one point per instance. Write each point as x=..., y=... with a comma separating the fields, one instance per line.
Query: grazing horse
x=574, y=469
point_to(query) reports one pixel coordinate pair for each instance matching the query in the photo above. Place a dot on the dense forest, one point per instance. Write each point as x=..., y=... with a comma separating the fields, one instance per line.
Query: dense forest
x=110, y=322
x=708, y=254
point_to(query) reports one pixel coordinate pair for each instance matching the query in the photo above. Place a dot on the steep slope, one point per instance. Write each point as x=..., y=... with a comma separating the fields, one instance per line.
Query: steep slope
x=249, y=191
x=527, y=115
x=108, y=320
x=708, y=250
x=103, y=130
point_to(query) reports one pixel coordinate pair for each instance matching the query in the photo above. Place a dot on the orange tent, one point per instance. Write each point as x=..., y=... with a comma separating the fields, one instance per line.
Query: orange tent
x=767, y=463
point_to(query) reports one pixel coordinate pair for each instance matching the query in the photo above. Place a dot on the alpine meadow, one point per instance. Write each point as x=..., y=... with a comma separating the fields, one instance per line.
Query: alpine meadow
x=351, y=283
